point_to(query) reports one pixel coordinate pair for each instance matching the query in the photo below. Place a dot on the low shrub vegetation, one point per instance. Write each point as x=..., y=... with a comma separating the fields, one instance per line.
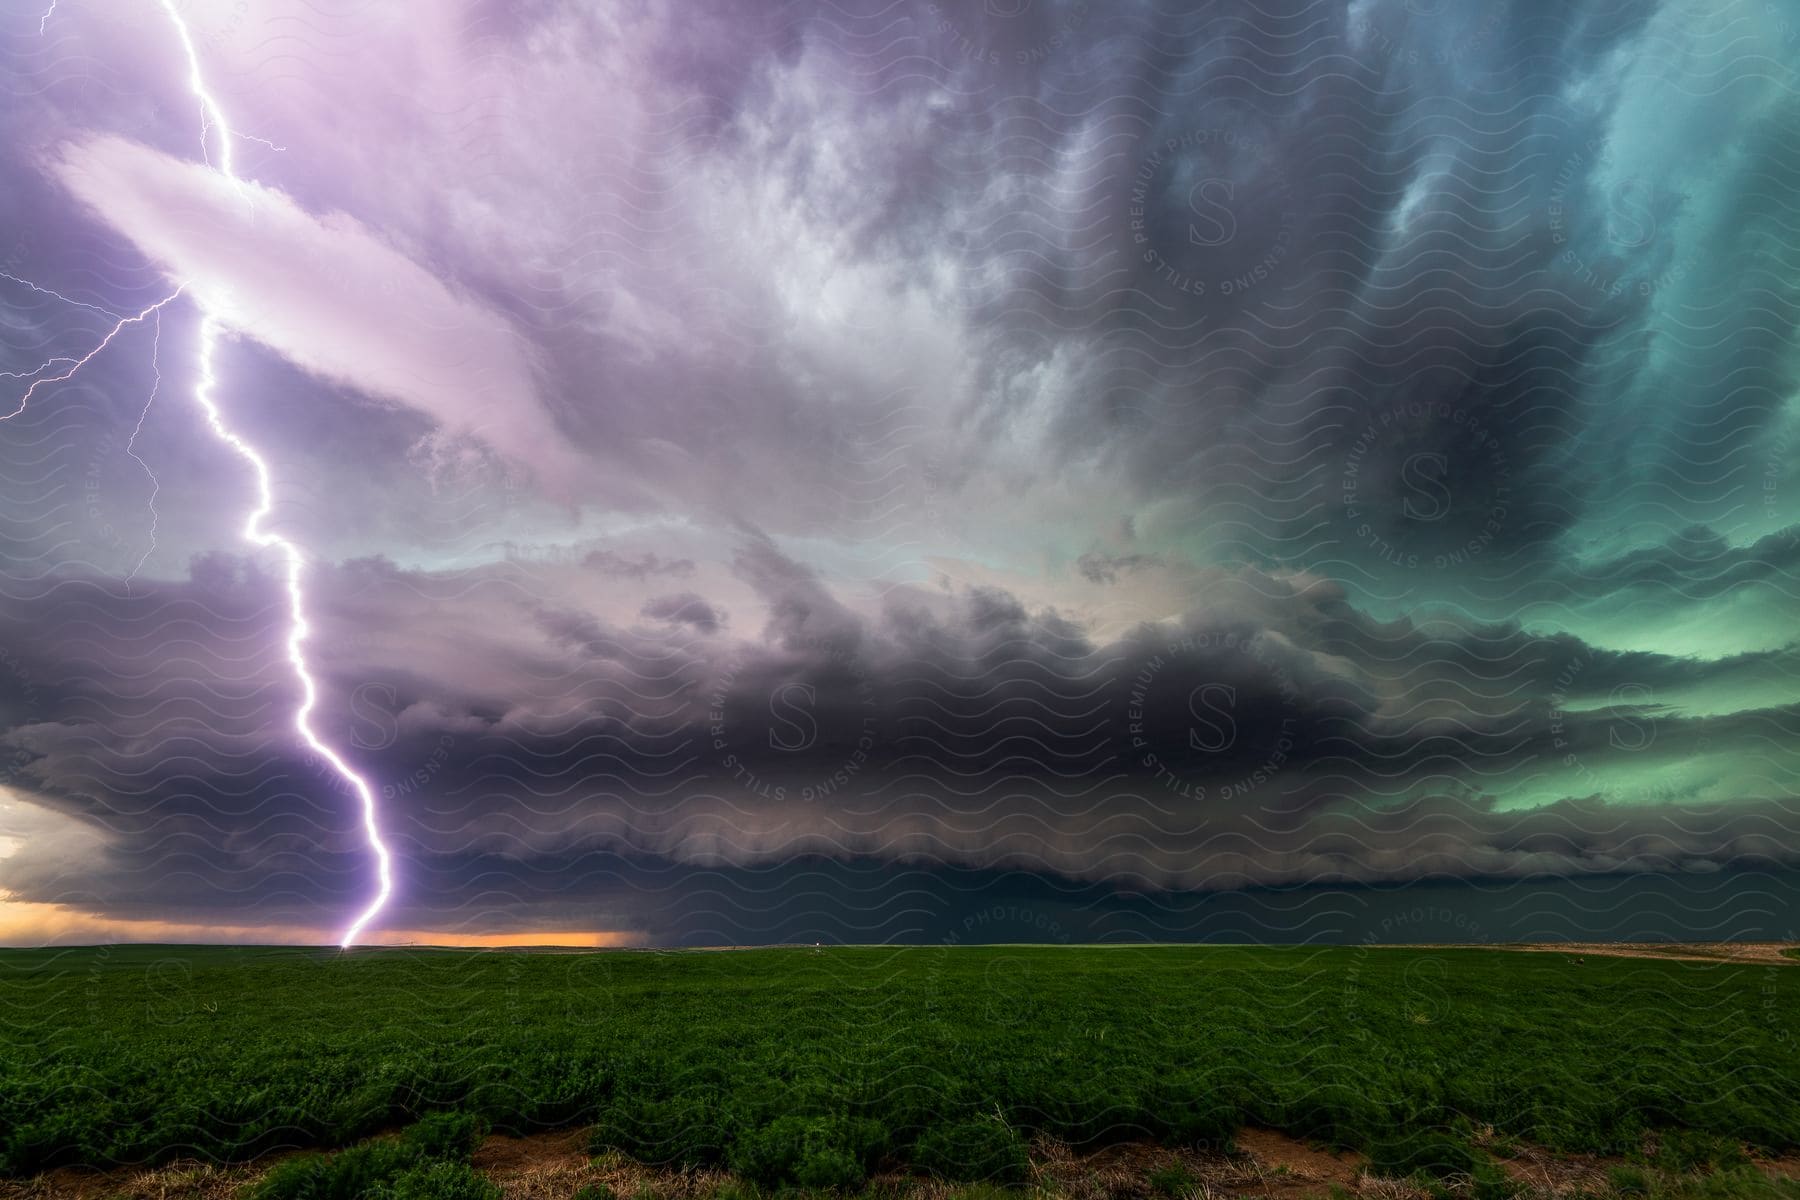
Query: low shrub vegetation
x=820, y=1070
x=429, y=1161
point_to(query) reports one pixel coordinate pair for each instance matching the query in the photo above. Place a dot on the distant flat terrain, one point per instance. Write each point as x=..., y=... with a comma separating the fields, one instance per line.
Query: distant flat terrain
x=1774, y=953
x=826, y=1067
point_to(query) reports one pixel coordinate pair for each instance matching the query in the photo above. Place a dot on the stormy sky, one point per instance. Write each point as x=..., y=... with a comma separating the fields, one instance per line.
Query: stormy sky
x=906, y=470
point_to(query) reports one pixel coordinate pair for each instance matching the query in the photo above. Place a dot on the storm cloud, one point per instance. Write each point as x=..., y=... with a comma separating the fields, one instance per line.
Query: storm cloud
x=1150, y=472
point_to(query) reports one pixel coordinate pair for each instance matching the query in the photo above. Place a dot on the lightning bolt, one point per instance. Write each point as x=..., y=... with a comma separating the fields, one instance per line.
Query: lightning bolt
x=131, y=443
x=45, y=366
x=44, y=291
x=77, y=363
x=212, y=118
x=155, y=311
x=297, y=626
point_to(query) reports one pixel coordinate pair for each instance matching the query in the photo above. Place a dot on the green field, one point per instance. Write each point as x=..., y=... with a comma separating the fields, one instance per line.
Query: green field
x=816, y=1067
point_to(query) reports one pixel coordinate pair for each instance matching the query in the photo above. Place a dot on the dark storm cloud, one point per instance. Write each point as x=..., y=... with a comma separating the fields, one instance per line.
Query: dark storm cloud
x=1467, y=258
x=1166, y=255
x=683, y=608
x=1099, y=567
x=1695, y=562
x=1274, y=736
x=1294, y=409
x=609, y=562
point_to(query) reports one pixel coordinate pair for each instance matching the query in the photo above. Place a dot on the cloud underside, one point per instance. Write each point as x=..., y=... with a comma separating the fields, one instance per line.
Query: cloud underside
x=1272, y=736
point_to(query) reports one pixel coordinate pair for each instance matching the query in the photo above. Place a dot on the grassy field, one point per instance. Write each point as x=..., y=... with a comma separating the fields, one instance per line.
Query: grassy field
x=814, y=1068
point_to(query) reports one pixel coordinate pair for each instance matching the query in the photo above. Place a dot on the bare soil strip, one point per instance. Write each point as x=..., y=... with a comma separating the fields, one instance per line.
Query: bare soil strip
x=1754, y=953
x=552, y=1166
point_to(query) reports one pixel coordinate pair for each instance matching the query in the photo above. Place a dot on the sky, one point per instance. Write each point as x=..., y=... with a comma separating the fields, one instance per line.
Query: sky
x=905, y=470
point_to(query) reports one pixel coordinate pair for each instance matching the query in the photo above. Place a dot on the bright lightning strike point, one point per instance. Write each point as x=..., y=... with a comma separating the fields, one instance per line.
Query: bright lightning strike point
x=212, y=117
x=297, y=628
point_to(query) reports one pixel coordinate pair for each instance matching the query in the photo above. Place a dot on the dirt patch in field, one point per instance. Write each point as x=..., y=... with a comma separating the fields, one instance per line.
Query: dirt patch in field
x=1113, y=1173
x=1266, y=1164
x=545, y=1164
x=1786, y=1165
x=1751, y=953
x=189, y=1181
x=1263, y=1165
x=554, y=1166
x=1546, y=1173
x=1280, y=1153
